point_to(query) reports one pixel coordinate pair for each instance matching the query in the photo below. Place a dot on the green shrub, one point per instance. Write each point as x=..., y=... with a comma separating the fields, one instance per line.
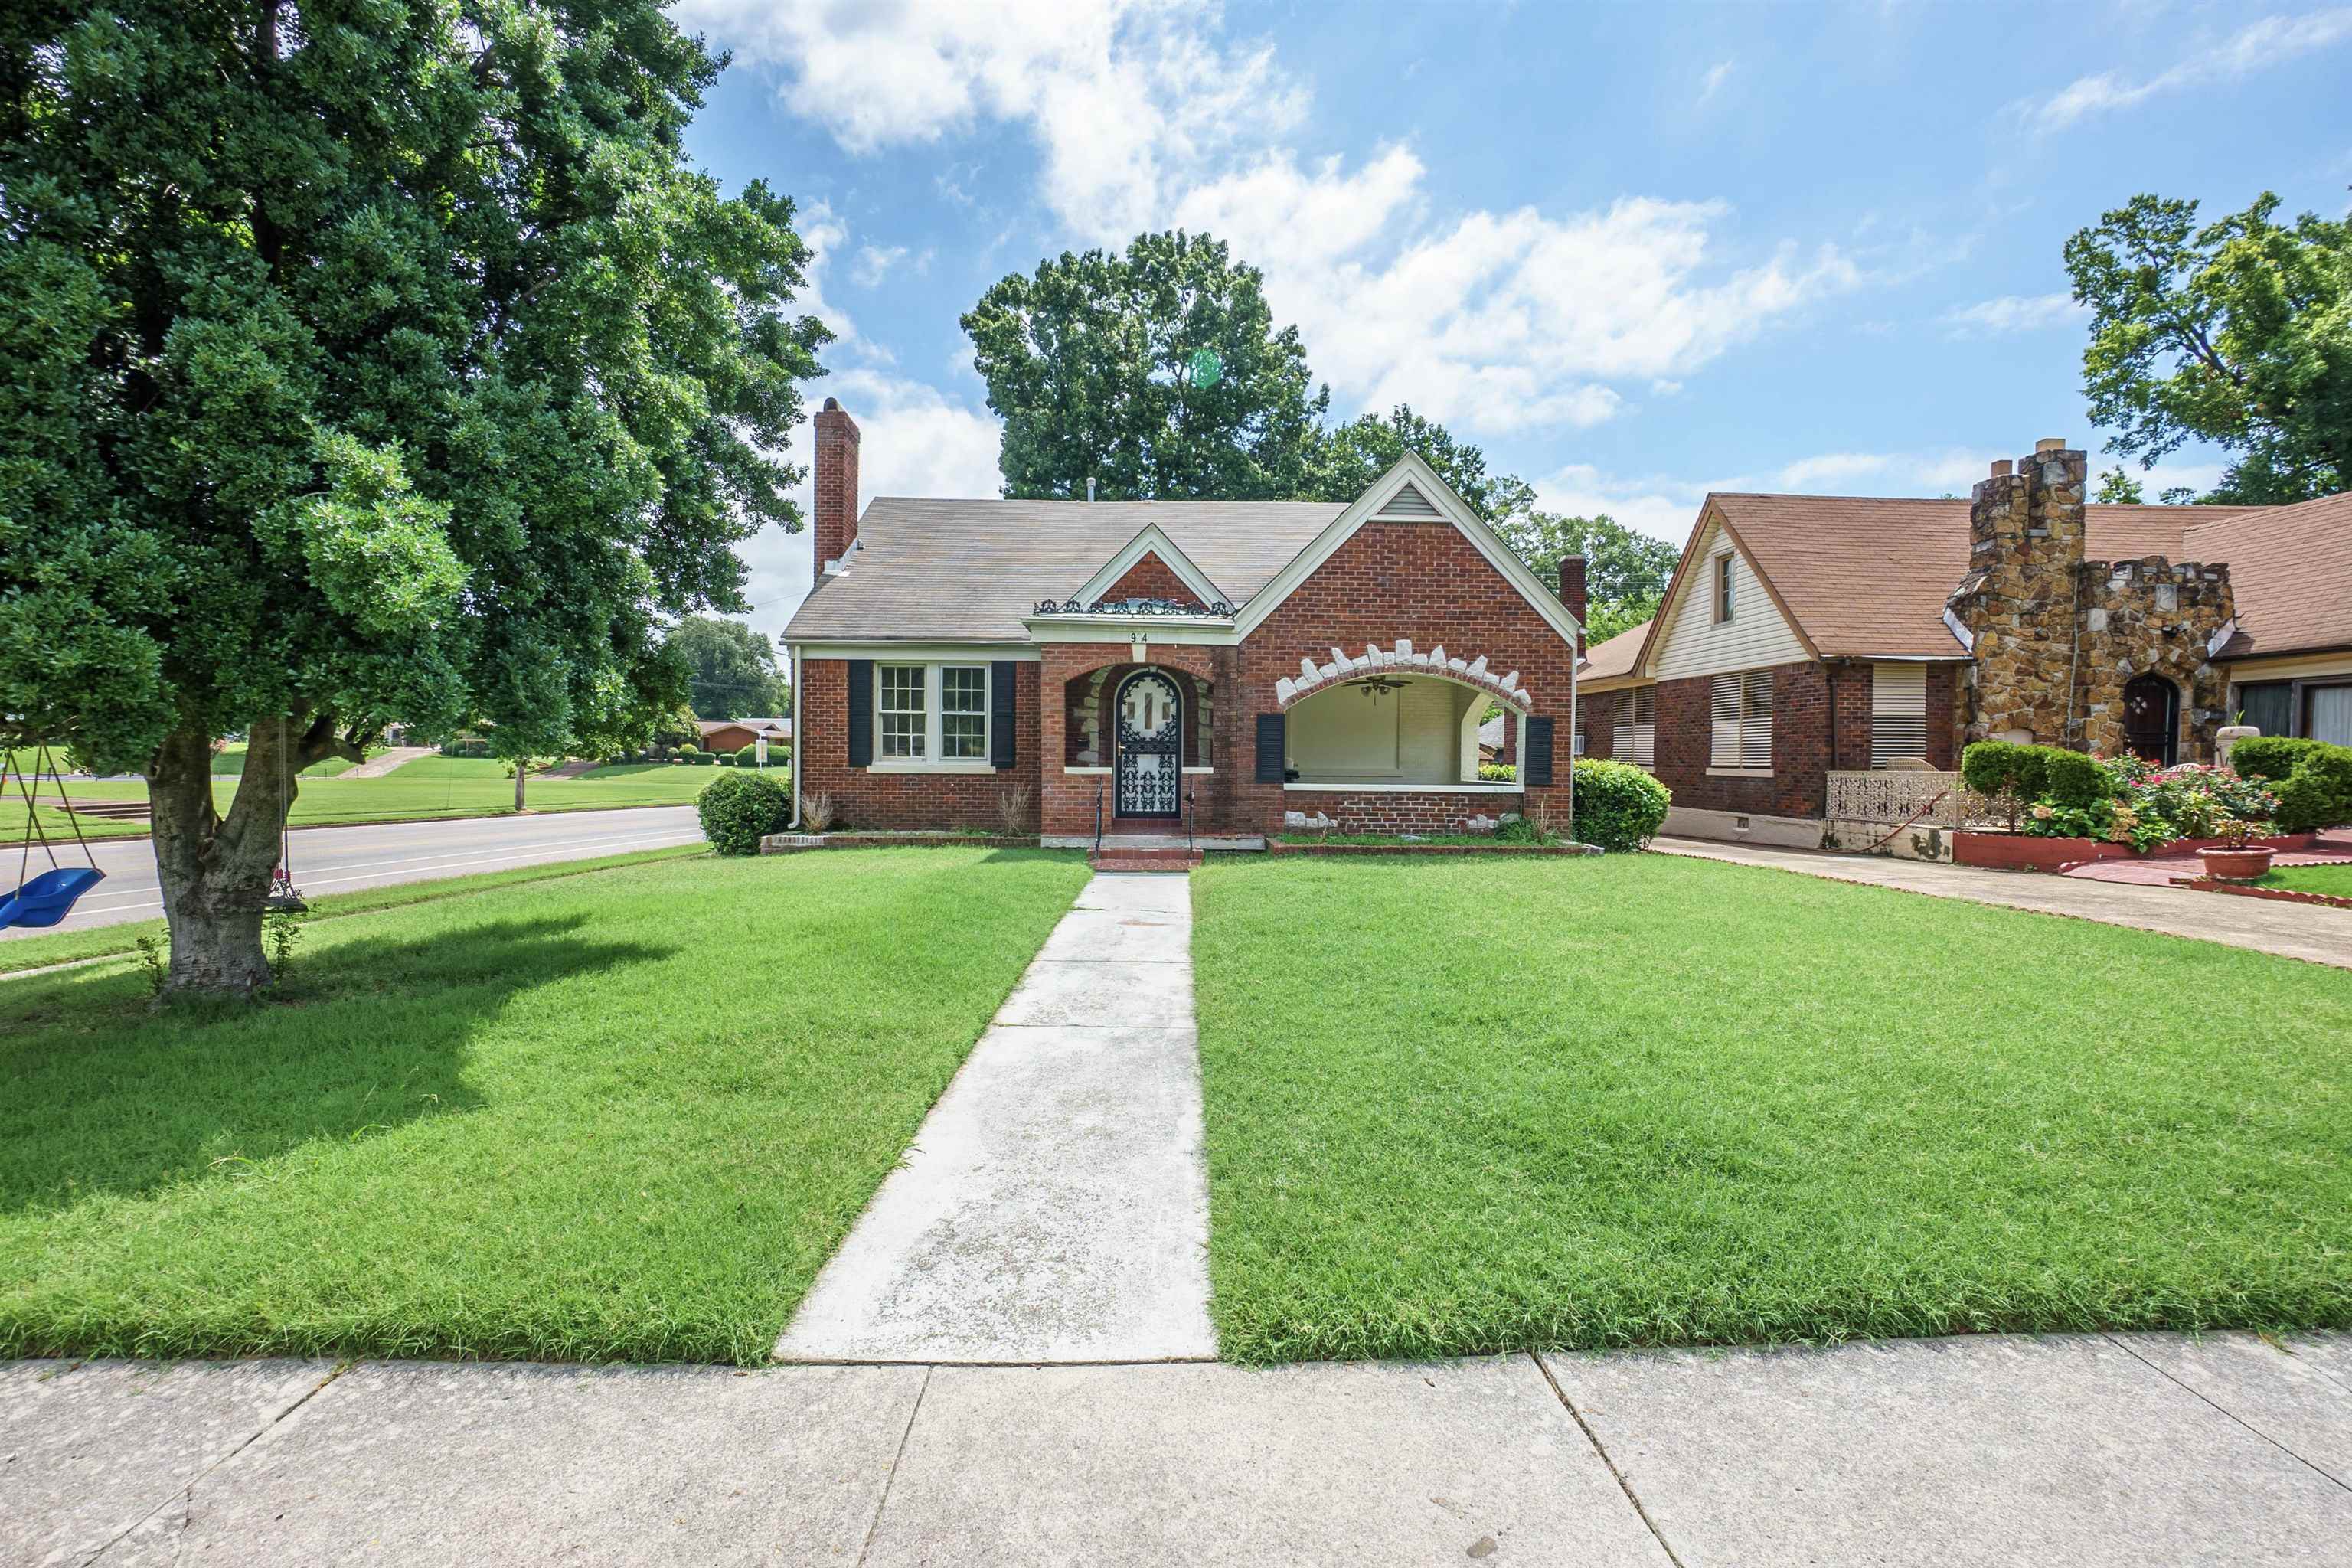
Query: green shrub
x=2075, y=779
x=2312, y=779
x=2005, y=767
x=690, y=750
x=738, y=809
x=748, y=756
x=1498, y=772
x=465, y=747
x=1617, y=806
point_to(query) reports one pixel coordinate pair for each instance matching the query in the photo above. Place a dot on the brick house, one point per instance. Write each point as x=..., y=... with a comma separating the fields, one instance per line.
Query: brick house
x=1809, y=639
x=734, y=734
x=1228, y=668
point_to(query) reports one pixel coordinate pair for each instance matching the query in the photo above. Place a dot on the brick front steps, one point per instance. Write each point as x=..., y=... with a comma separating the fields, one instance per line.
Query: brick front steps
x=1110, y=858
x=792, y=842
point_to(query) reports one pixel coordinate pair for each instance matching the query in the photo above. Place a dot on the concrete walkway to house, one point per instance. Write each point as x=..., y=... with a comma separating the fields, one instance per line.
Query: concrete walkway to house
x=2311, y=931
x=393, y=757
x=1054, y=1207
x=2089, y=1450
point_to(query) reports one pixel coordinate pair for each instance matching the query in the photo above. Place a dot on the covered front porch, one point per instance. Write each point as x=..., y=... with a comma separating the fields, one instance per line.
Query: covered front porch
x=1393, y=750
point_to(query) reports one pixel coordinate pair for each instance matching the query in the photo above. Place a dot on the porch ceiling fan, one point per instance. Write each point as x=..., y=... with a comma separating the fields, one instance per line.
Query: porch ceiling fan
x=1377, y=685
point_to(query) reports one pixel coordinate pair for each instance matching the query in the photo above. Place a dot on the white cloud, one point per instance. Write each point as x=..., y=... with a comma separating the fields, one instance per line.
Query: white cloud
x=1118, y=93
x=1666, y=506
x=2271, y=41
x=1712, y=83
x=1499, y=320
x=875, y=261
x=2014, y=313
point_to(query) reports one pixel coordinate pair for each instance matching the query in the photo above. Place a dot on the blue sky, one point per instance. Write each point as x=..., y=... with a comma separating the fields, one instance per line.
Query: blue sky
x=1637, y=252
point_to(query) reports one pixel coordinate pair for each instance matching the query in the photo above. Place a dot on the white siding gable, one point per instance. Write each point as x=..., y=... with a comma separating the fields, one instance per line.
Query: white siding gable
x=1693, y=642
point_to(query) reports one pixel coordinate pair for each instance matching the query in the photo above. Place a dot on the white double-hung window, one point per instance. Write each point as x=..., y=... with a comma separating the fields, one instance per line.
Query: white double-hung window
x=1743, y=722
x=931, y=714
x=1898, y=713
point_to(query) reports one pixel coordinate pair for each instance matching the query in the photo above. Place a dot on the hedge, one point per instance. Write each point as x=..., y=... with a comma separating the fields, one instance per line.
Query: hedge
x=2312, y=779
x=1617, y=806
x=2005, y=767
x=738, y=808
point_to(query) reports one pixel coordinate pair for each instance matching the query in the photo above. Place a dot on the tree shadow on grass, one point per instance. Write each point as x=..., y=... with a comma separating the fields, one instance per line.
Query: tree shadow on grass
x=98, y=1096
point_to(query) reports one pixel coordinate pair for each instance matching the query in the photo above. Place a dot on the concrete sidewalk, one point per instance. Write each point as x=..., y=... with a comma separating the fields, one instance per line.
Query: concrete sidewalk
x=2310, y=932
x=2083, y=1450
x=1055, y=1206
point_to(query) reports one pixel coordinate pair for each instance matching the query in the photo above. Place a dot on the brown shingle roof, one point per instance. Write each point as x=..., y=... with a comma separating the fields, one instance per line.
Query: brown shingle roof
x=1615, y=656
x=2290, y=571
x=955, y=571
x=1868, y=575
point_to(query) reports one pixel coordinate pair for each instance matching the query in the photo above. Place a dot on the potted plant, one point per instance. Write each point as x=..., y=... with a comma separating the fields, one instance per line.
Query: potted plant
x=2234, y=860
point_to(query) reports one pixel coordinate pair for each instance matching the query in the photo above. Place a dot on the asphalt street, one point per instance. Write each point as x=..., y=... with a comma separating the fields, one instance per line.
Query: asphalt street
x=336, y=859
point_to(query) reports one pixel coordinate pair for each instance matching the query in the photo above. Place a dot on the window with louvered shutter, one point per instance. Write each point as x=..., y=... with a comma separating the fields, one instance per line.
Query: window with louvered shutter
x=1633, y=737
x=1743, y=721
x=1756, y=722
x=1898, y=713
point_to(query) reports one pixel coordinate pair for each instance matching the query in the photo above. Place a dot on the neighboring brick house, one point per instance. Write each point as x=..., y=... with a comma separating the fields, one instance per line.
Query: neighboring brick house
x=1229, y=668
x=734, y=734
x=1808, y=636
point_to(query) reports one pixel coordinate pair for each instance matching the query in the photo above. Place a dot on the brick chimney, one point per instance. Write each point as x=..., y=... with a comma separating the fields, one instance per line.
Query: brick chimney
x=836, y=522
x=1571, y=585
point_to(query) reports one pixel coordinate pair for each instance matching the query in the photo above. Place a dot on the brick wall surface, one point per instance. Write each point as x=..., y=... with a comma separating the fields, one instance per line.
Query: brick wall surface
x=864, y=798
x=1150, y=578
x=834, y=523
x=1398, y=811
x=1800, y=745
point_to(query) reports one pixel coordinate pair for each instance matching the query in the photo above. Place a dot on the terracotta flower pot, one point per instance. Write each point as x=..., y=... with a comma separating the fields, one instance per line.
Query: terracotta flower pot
x=2237, y=865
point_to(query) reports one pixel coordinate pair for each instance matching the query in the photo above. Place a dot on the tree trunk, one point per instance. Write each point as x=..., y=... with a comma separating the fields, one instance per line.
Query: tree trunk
x=215, y=872
x=523, y=766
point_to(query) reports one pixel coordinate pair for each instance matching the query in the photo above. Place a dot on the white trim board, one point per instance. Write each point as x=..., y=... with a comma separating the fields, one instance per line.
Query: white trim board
x=921, y=652
x=1149, y=539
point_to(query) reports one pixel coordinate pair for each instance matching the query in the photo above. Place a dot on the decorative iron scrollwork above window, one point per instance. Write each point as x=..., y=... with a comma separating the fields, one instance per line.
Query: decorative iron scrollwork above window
x=1133, y=607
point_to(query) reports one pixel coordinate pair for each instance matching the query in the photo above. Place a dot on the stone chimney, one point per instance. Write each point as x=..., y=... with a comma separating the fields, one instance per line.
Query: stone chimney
x=1571, y=585
x=2058, y=481
x=836, y=522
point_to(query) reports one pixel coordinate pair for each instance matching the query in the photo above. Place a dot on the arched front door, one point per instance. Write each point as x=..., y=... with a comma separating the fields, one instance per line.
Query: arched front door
x=2152, y=719
x=1149, y=757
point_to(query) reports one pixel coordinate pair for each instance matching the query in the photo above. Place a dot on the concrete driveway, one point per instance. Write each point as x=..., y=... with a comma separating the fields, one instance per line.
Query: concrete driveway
x=336, y=859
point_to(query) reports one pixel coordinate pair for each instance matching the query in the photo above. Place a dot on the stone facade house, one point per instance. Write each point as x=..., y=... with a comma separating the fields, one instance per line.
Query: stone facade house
x=1221, y=670
x=1807, y=643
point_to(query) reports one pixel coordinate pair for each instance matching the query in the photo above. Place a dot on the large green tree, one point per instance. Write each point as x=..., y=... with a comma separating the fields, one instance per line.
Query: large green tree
x=365, y=360
x=1625, y=573
x=1349, y=458
x=1093, y=363
x=2237, y=332
x=731, y=670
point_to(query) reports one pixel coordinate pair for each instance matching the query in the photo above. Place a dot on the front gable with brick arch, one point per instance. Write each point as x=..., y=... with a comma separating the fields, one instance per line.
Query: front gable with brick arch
x=1226, y=669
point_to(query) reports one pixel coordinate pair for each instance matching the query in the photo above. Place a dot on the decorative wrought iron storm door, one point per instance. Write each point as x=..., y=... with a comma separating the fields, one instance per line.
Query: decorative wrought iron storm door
x=1150, y=745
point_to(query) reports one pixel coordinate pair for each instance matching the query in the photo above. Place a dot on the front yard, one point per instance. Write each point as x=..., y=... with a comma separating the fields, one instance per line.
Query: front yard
x=1472, y=1105
x=618, y=1115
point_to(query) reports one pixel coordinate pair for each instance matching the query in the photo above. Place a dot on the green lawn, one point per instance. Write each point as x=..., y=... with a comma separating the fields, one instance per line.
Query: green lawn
x=625, y=1115
x=2332, y=880
x=427, y=787
x=1468, y=1106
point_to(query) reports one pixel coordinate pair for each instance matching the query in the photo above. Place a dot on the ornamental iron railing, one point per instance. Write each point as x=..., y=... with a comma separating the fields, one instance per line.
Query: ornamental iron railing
x=1904, y=795
x=1218, y=608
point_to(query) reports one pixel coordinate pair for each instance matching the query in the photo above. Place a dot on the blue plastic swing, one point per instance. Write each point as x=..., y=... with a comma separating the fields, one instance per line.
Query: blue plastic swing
x=48, y=899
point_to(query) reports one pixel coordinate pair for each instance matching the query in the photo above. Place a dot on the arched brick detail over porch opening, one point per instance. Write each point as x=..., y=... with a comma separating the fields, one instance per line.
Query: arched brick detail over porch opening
x=1402, y=658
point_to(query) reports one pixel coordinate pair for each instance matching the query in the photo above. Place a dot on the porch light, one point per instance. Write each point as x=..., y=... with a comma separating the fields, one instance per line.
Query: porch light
x=1376, y=687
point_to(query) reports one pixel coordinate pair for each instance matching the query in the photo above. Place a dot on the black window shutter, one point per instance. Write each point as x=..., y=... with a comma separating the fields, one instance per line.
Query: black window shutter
x=861, y=713
x=1270, y=748
x=1535, y=768
x=1001, y=753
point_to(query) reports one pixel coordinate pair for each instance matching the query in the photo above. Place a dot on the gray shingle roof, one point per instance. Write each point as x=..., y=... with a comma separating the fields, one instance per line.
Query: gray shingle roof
x=958, y=571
